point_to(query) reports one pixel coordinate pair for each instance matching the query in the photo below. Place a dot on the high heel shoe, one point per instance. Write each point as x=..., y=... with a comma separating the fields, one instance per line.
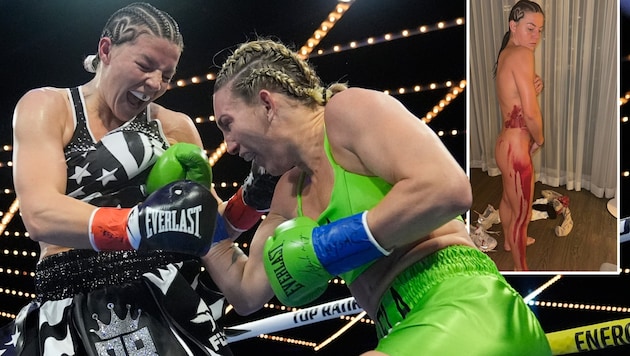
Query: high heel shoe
x=489, y=217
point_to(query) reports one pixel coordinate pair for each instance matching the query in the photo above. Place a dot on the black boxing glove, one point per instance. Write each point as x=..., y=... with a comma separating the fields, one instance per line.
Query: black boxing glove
x=251, y=200
x=179, y=217
x=258, y=188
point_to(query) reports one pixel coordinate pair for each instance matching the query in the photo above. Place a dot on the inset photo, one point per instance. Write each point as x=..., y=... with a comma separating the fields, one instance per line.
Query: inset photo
x=543, y=126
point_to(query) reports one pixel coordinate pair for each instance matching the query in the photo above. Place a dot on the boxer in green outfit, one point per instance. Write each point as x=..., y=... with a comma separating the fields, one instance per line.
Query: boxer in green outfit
x=369, y=193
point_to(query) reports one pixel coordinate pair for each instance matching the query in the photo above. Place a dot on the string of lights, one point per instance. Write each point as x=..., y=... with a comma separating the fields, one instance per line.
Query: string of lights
x=16, y=234
x=305, y=51
x=18, y=293
x=16, y=272
x=388, y=37
x=540, y=289
x=581, y=306
x=452, y=95
x=324, y=28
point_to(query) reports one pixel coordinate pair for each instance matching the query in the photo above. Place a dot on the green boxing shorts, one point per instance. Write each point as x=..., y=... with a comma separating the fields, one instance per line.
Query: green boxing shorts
x=456, y=302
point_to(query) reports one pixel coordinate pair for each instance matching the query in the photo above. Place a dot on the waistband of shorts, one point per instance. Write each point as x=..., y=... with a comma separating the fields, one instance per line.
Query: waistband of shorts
x=68, y=273
x=411, y=285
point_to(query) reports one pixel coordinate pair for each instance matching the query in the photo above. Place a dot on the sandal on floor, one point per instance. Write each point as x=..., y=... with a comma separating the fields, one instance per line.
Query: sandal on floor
x=489, y=217
x=550, y=194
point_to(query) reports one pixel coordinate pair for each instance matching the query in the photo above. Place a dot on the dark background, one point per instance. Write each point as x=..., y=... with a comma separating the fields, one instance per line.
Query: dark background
x=44, y=43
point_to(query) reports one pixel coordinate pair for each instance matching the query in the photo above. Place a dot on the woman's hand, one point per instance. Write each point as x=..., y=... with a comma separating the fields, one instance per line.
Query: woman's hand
x=538, y=84
x=534, y=148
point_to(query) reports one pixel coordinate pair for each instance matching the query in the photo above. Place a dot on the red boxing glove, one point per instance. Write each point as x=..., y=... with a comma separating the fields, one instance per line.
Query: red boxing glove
x=241, y=216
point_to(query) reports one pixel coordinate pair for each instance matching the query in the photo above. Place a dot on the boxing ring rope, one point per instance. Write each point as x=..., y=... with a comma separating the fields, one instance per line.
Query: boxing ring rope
x=294, y=319
x=574, y=340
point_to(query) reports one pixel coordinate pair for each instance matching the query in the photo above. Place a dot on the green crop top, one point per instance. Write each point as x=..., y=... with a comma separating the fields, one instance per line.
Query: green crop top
x=352, y=193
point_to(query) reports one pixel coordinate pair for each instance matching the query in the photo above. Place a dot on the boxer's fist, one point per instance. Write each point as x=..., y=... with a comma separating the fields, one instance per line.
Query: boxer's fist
x=179, y=217
x=293, y=269
x=251, y=200
x=180, y=161
x=301, y=256
x=258, y=188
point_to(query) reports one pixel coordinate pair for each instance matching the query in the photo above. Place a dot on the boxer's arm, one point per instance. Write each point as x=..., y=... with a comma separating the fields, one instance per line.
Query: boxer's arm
x=241, y=277
x=41, y=128
x=372, y=133
x=39, y=171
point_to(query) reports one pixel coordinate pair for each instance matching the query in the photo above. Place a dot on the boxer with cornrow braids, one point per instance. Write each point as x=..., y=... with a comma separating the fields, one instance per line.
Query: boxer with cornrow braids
x=116, y=189
x=272, y=69
x=369, y=193
x=126, y=24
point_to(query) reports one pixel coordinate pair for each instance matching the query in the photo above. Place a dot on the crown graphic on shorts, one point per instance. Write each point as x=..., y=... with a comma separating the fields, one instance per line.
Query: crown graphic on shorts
x=116, y=326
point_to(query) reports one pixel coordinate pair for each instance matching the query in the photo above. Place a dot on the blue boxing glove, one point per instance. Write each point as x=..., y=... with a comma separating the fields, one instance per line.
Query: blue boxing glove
x=301, y=256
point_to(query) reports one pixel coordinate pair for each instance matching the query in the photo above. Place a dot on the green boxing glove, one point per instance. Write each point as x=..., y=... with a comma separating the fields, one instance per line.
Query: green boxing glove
x=181, y=161
x=287, y=257
x=301, y=257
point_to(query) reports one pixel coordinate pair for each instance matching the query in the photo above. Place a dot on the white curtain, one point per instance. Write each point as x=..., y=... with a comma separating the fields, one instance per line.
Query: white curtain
x=577, y=59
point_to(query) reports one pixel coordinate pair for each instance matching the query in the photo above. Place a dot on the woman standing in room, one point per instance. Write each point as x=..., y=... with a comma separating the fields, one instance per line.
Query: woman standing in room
x=522, y=134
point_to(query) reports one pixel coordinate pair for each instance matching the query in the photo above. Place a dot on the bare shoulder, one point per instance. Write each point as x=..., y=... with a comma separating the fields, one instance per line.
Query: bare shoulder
x=518, y=56
x=45, y=96
x=42, y=106
x=177, y=126
x=355, y=106
x=354, y=96
x=160, y=112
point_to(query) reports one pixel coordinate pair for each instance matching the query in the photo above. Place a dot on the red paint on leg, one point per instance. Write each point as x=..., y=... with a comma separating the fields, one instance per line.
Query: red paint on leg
x=523, y=180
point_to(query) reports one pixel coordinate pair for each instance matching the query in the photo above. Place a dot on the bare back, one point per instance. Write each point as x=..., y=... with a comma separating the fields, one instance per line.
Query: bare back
x=516, y=93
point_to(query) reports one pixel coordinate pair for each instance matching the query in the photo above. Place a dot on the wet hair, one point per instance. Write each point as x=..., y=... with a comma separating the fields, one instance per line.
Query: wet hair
x=516, y=14
x=133, y=20
x=271, y=65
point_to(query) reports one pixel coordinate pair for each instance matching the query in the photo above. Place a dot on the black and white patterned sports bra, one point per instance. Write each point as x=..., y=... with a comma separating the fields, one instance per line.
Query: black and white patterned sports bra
x=112, y=171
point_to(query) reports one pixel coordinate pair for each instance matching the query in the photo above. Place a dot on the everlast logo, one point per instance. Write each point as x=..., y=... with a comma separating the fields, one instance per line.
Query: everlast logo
x=181, y=220
x=288, y=284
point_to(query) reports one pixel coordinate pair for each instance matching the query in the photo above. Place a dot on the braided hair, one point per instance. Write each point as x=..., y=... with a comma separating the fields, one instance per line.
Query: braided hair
x=516, y=14
x=271, y=65
x=129, y=22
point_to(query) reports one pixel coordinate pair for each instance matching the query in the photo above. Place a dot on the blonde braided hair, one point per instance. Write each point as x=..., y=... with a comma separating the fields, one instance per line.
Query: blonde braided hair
x=271, y=65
